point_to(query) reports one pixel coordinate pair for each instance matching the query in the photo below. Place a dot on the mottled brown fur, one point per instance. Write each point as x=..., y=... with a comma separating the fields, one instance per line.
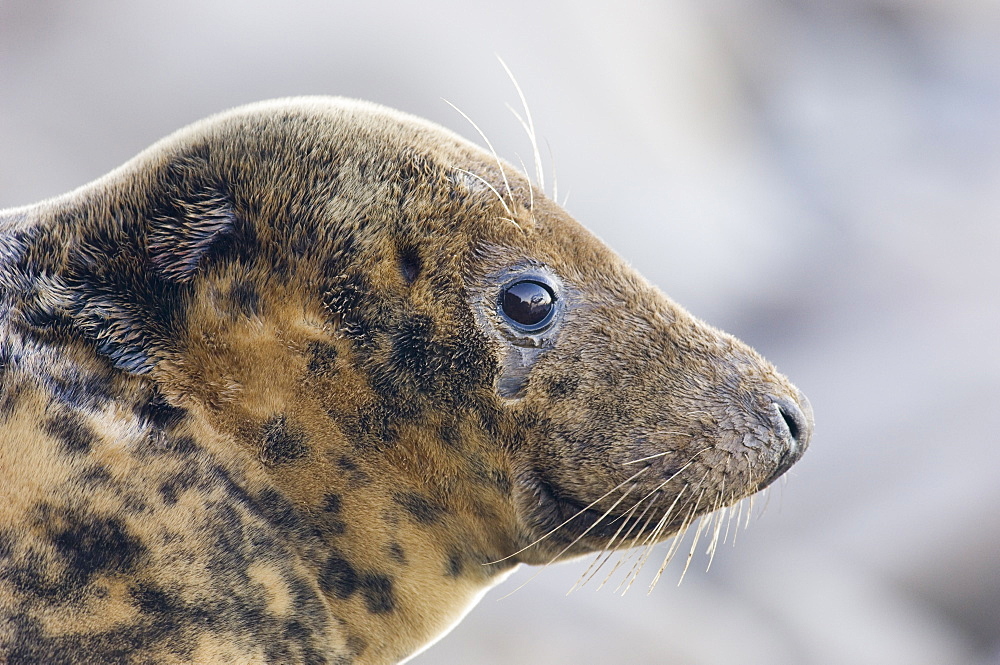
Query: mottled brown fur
x=258, y=402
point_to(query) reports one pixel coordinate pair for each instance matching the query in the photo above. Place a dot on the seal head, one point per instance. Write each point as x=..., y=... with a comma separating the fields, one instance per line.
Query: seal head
x=325, y=371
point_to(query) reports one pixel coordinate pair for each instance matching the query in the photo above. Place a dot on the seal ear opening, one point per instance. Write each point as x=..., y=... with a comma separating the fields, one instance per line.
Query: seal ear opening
x=131, y=279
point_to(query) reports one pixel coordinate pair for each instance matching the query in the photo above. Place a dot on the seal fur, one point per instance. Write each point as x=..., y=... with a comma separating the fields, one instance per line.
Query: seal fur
x=258, y=402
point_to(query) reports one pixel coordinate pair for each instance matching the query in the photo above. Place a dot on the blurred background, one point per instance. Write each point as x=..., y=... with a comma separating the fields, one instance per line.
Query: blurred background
x=821, y=178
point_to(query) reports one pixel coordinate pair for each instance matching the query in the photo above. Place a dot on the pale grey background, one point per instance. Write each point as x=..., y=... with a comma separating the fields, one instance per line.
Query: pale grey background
x=820, y=177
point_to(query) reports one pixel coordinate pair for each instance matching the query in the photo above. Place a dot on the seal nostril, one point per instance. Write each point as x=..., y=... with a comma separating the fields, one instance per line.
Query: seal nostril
x=795, y=419
x=793, y=426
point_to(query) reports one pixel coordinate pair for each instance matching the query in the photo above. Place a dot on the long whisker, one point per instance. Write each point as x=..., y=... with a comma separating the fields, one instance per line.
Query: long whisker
x=575, y=541
x=631, y=547
x=694, y=546
x=503, y=173
x=732, y=511
x=653, y=537
x=529, y=126
x=577, y=514
x=607, y=552
x=674, y=546
x=720, y=516
x=531, y=189
x=739, y=517
x=665, y=452
x=492, y=189
x=673, y=475
x=651, y=541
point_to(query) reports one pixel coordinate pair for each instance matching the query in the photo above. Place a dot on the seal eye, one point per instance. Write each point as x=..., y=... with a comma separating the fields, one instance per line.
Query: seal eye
x=528, y=304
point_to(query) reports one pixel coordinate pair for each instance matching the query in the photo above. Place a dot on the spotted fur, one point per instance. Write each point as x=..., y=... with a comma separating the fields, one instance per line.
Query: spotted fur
x=258, y=403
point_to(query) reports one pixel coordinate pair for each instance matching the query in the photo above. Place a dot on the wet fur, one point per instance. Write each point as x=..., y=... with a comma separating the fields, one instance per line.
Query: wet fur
x=257, y=404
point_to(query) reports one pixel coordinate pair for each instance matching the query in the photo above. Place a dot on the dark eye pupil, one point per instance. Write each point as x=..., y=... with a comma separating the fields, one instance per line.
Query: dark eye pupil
x=527, y=303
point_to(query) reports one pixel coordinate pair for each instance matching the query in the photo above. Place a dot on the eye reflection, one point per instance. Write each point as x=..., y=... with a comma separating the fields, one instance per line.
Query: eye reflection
x=528, y=304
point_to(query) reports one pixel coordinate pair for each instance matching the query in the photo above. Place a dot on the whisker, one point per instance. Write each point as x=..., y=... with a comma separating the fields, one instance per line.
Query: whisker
x=577, y=514
x=531, y=189
x=665, y=452
x=575, y=541
x=492, y=189
x=503, y=173
x=674, y=546
x=579, y=581
x=647, y=543
x=732, y=512
x=739, y=517
x=651, y=541
x=694, y=545
x=529, y=126
x=720, y=514
x=631, y=548
x=608, y=550
x=673, y=475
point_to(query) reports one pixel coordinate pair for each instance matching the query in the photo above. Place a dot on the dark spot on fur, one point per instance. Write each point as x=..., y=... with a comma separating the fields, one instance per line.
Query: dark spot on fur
x=331, y=504
x=378, y=593
x=454, y=564
x=559, y=387
x=281, y=443
x=371, y=430
x=414, y=351
x=338, y=577
x=357, y=645
x=173, y=487
x=451, y=434
x=153, y=600
x=91, y=545
x=354, y=474
x=9, y=399
x=169, y=491
x=75, y=388
x=328, y=523
x=322, y=358
x=70, y=430
x=419, y=507
x=159, y=413
x=278, y=510
x=397, y=554
x=94, y=475
x=410, y=263
x=244, y=299
x=183, y=444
